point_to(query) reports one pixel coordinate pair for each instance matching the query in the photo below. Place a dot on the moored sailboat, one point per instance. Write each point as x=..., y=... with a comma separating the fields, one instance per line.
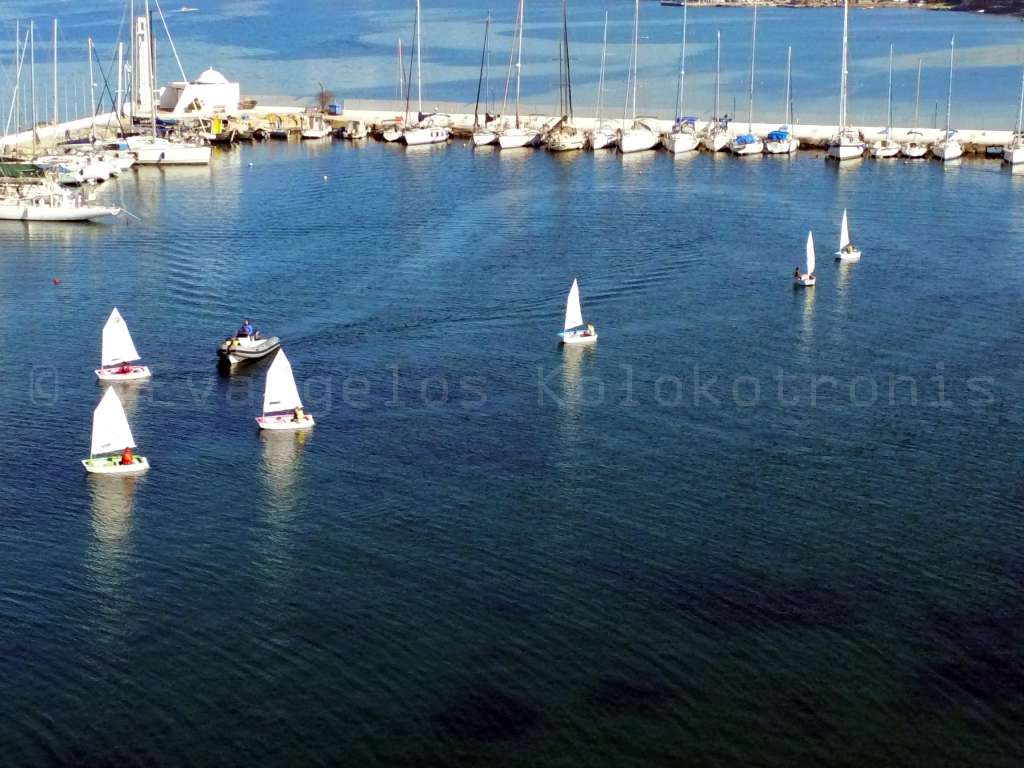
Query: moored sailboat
x=847, y=144
x=603, y=134
x=683, y=136
x=886, y=146
x=111, y=451
x=637, y=136
x=781, y=141
x=949, y=146
x=433, y=129
x=483, y=134
x=282, y=406
x=518, y=134
x=564, y=136
x=748, y=143
x=1013, y=152
x=915, y=147
x=118, y=352
x=716, y=134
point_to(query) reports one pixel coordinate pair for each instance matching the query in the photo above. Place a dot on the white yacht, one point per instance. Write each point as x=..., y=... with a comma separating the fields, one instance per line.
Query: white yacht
x=886, y=145
x=847, y=144
x=748, y=143
x=435, y=128
x=914, y=147
x=637, y=135
x=683, y=136
x=948, y=147
x=603, y=134
x=715, y=137
x=781, y=141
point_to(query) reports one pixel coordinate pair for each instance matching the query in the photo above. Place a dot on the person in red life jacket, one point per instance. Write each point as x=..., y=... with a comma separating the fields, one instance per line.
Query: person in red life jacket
x=126, y=457
x=125, y=368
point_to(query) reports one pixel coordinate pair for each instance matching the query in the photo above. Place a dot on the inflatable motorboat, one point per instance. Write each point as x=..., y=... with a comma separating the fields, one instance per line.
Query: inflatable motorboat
x=245, y=349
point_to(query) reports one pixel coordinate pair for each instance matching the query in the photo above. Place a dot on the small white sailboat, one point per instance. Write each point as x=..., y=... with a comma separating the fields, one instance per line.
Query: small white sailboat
x=847, y=251
x=915, y=147
x=748, y=143
x=847, y=144
x=519, y=134
x=112, y=443
x=1013, y=152
x=574, y=330
x=948, y=147
x=282, y=406
x=603, y=134
x=683, y=136
x=781, y=141
x=886, y=146
x=435, y=129
x=716, y=135
x=808, y=278
x=638, y=136
x=118, y=353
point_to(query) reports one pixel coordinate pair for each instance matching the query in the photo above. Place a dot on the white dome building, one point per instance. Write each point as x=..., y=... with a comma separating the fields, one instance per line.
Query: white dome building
x=209, y=93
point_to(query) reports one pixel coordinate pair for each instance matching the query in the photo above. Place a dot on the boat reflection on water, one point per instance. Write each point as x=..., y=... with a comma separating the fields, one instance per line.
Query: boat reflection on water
x=576, y=394
x=807, y=298
x=282, y=464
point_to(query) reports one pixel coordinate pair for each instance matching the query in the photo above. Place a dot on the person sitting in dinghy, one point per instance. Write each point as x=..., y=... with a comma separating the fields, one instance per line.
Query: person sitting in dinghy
x=796, y=273
x=245, y=330
x=125, y=368
x=127, y=457
x=300, y=414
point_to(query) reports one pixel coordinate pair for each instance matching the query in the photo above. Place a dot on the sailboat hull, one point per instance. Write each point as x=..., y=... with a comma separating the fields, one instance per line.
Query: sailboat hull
x=137, y=373
x=601, y=140
x=805, y=281
x=111, y=465
x=678, y=143
x=853, y=255
x=883, y=149
x=787, y=147
x=172, y=154
x=484, y=138
x=750, y=148
x=843, y=151
x=560, y=141
x=637, y=140
x=415, y=137
x=1013, y=155
x=28, y=212
x=914, y=151
x=716, y=142
x=947, y=150
x=284, y=423
x=572, y=338
x=515, y=138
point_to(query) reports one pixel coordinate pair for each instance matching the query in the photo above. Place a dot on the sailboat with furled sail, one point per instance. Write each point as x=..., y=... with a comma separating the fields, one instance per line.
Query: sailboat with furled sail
x=111, y=450
x=483, y=134
x=638, y=136
x=432, y=129
x=716, y=135
x=574, y=330
x=781, y=141
x=603, y=134
x=282, y=406
x=118, y=353
x=915, y=147
x=683, y=136
x=949, y=146
x=518, y=134
x=564, y=136
x=886, y=145
x=1013, y=152
x=748, y=143
x=847, y=144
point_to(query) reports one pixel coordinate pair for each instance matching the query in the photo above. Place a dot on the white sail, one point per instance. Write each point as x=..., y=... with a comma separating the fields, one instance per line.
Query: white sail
x=280, y=393
x=844, y=233
x=118, y=346
x=573, y=312
x=810, y=254
x=110, y=430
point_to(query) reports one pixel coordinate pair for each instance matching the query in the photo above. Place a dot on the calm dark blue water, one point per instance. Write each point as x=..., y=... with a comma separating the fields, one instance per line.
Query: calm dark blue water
x=751, y=526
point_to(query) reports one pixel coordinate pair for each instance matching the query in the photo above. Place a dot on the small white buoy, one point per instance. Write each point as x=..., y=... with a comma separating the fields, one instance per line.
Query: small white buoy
x=250, y=165
x=325, y=178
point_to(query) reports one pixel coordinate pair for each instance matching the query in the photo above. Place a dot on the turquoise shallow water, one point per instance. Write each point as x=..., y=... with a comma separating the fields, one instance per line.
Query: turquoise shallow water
x=493, y=551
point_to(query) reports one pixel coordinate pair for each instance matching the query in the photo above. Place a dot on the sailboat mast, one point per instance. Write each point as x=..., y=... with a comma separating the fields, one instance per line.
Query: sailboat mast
x=519, y=59
x=718, y=72
x=600, y=81
x=419, y=65
x=753, y=50
x=789, y=81
x=917, y=99
x=92, y=91
x=56, y=110
x=480, y=81
x=682, y=68
x=949, y=92
x=636, y=50
x=568, y=68
x=842, y=79
x=1020, y=109
x=888, y=108
x=151, y=85
x=32, y=75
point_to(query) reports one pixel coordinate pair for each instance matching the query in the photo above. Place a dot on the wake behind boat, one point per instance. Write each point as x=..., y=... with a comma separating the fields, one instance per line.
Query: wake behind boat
x=246, y=346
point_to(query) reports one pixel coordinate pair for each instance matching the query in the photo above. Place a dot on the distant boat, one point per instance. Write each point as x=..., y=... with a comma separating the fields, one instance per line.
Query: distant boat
x=118, y=352
x=638, y=136
x=683, y=136
x=574, y=330
x=187, y=9
x=887, y=146
x=808, y=278
x=748, y=143
x=847, y=144
x=949, y=146
x=1013, y=152
x=282, y=406
x=603, y=134
x=246, y=348
x=716, y=135
x=111, y=450
x=847, y=251
x=781, y=141
x=915, y=147
x=315, y=129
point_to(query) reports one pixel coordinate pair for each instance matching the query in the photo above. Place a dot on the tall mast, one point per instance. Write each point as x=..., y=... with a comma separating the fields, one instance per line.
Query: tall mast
x=92, y=91
x=682, y=68
x=917, y=99
x=718, y=71
x=1020, y=109
x=17, y=102
x=842, y=79
x=419, y=65
x=480, y=81
x=32, y=75
x=56, y=106
x=888, y=108
x=487, y=66
x=568, y=68
x=600, y=82
x=151, y=85
x=519, y=59
x=788, y=86
x=636, y=49
x=401, y=72
x=119, y=101
x=753, y=49
x=949, y=92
